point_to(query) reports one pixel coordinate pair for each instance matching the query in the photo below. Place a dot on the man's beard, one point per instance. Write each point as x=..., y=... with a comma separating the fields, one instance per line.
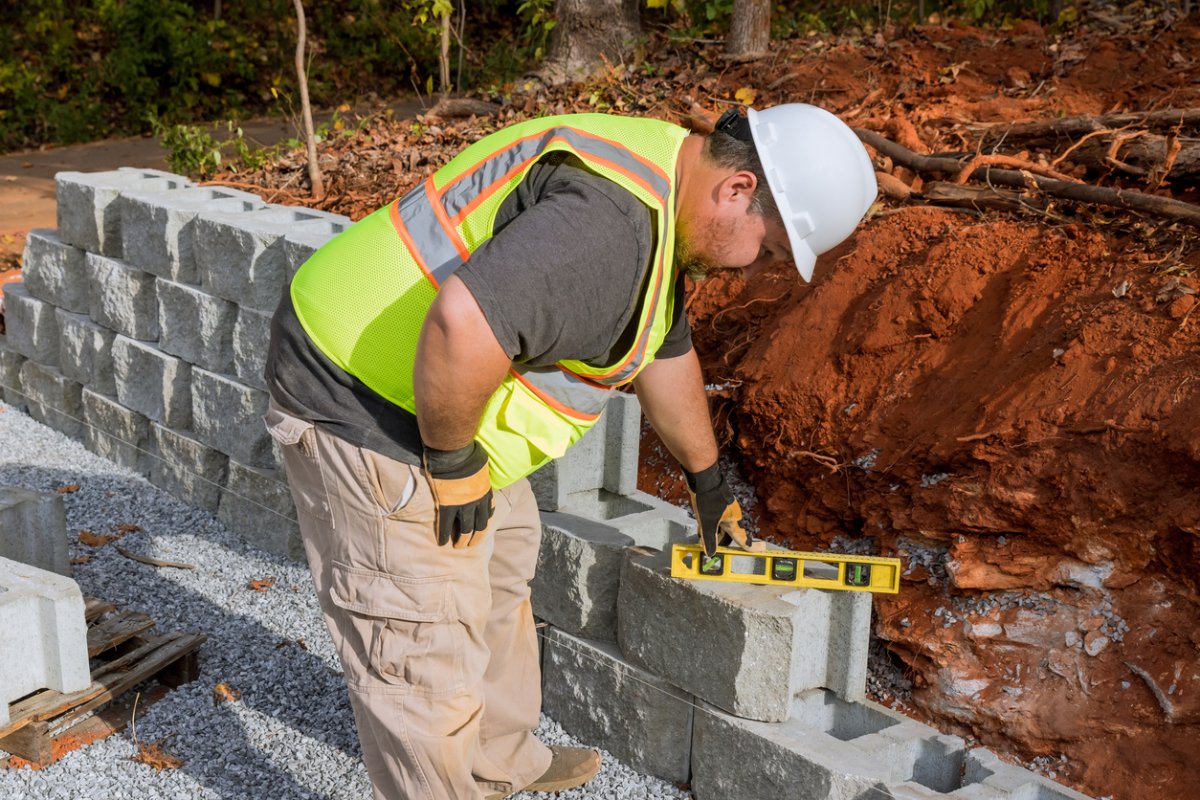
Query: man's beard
x=688, y=260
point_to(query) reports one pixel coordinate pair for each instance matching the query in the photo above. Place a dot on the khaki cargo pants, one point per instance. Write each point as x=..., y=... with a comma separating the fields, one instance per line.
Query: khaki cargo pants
x=438, y=645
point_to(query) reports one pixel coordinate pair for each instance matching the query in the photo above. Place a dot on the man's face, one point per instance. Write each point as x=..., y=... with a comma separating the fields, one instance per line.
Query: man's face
x=729, y=236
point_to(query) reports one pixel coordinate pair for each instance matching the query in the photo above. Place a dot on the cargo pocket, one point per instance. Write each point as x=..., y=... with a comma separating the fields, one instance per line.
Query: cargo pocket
x=297, y=439
x=410, y=630
x=392, y=484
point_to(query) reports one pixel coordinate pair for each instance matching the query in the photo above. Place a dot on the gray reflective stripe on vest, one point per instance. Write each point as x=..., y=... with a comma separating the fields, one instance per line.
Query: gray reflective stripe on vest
x=565, y=387
x=458, y=195
x=432, y=242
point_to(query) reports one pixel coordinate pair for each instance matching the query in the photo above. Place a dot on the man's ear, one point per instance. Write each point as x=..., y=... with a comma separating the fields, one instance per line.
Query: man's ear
x=738, y=188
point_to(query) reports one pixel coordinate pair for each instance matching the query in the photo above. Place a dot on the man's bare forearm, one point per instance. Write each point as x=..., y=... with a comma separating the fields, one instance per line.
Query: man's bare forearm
x=458, y=366
x=671, y=391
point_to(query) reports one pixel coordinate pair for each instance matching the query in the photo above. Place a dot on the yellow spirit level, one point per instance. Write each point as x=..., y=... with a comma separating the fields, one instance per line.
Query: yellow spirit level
x=788, y=568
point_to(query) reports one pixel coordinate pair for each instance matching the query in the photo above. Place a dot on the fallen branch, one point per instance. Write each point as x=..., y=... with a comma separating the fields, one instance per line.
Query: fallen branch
x=943, y=193
x=1084, y=193
x=154, y=562
x=1090, y=123
x=1011, y=161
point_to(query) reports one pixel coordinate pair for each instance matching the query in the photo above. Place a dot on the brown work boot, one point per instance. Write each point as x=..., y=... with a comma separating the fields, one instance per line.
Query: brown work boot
x=569, y=767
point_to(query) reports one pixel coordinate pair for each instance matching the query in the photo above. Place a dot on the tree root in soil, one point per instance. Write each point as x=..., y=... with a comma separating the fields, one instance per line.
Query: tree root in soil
x=1026, y=180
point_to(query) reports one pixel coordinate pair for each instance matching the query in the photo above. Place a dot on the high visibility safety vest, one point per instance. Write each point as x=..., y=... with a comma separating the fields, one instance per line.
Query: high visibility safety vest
x=363, y=297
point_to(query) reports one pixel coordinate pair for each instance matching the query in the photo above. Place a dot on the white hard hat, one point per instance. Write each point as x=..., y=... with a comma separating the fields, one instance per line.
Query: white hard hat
x=819, y=174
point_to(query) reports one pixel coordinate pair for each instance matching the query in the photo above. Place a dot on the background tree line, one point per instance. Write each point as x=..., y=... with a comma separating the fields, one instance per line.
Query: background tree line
x=78, y=70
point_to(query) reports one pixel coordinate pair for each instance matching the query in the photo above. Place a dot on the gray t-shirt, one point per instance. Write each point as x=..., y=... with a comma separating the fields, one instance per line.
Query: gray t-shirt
x=559, y=279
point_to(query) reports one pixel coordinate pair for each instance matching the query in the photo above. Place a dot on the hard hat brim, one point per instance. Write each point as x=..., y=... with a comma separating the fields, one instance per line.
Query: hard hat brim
x=802, y=255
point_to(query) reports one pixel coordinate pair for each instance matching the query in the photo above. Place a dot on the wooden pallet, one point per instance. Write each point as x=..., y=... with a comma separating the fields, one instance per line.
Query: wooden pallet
x=124, y=653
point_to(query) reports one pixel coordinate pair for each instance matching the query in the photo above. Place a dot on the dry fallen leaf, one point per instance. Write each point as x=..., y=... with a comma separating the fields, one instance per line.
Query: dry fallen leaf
x=126, y=527
x=68, y=489
x=154, y=756
x=745, y=95
x=261, y=585
x=83, y=559
x=224, y=693
x=298, y=642
x=96, y=539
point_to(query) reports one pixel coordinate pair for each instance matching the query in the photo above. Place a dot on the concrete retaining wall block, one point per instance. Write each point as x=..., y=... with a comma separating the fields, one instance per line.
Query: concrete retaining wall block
x=647, y=520
x=43, y=635
x=116, y=433
x=10, y=374
x=53, y=398
x=227, y=415
x=257, y=505
x=33, y=529
x=123, y=297
x=751, y=760
x=85, y=351
x=836, y=749
x=578, y=575
x=299, y=246
x=240, y=257
x=31, y=326
x=152, y=382
x=251, y=333
x=186, y=468
x=157, y=226
x=195, y=326
x=90, y=204
x=752, y=648
x=54, y=271
x=600, y=698
x=605, y=458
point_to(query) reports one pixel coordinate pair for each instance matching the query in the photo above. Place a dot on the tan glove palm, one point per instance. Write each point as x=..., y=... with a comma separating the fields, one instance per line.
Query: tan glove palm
x=718, y=513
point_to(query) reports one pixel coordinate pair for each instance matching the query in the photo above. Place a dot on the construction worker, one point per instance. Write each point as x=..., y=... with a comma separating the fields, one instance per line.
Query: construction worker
x=430, y=357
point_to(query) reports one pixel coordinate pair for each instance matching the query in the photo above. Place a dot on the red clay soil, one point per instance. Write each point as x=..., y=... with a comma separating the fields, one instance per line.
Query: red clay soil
x=1012, y=405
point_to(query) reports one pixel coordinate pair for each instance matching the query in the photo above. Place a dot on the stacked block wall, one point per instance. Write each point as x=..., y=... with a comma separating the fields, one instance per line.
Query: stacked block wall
x=743, y=691
x=141, y=329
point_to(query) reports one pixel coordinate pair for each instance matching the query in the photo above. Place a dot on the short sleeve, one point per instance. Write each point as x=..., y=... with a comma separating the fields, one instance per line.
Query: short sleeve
x=561, y=279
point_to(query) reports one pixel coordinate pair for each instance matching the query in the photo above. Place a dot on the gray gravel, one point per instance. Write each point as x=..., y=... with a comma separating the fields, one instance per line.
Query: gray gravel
x=291, y=735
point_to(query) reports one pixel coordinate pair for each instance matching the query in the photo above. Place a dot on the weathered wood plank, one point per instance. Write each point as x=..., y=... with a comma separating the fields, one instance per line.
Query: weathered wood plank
x=30, y=743
x=118, y=628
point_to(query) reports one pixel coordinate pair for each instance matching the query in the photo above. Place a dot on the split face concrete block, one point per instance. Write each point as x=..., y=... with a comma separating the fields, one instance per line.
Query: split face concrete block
x=31, y=326
x=751, y=648
x=123, y=298
x=605, y=458
x=117, y=433
x=985, y=777
x=649, y=521
x=578, y=575
x=157, y=226
x=600, y=698
x=750, y=760
x=53, y=399
x=54, y=271
x=227, y=416
x=241, y=258
x=10, y=374
x=195, y=326
x=257, y=505
x=251, y=335
x=33, y=529
x=43, y=635
x=299, y=246
x=152, y=383
x=186, y=468
x=85, y=351
x=90, y=204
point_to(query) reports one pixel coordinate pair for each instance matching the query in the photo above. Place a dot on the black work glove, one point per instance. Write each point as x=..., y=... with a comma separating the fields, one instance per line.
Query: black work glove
x=462, y=493
x=718, y=514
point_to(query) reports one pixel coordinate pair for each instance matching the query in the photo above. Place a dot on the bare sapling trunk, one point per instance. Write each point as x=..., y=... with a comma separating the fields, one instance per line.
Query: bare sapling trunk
x=750, y=31
x=310, y=138
x=444, y=57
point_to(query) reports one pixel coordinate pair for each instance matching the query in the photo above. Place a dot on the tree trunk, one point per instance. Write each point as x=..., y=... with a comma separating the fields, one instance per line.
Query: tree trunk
x=314, y=170
x=750, y=32
x=587, y=34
